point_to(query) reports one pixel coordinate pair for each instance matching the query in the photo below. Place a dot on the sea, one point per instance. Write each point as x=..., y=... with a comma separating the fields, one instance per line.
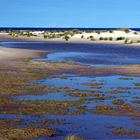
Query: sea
x=59, y=29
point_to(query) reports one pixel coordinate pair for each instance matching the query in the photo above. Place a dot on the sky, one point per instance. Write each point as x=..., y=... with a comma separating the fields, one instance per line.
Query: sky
x=70, y=13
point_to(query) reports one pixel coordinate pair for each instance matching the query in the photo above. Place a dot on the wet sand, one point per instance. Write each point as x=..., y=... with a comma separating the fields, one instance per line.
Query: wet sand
x=12, y=56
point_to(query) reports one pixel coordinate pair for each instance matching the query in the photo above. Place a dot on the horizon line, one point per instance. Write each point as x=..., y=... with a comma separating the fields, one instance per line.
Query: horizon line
x=72, y=27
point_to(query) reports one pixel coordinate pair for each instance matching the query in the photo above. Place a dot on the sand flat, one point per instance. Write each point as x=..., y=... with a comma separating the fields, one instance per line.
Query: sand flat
x=11, y=56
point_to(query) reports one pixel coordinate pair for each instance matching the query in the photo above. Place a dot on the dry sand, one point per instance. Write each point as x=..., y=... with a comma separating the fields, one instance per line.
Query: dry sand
x=131, y=36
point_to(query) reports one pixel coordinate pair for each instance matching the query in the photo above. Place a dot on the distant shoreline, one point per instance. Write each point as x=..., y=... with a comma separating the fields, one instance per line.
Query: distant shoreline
x=8, y=38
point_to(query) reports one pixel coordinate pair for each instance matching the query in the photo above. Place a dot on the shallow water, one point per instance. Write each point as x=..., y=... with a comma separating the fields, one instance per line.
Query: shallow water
x=93, y=126
x=109, y=83
x=91, y=59
x=86, y=54
x=88, y=124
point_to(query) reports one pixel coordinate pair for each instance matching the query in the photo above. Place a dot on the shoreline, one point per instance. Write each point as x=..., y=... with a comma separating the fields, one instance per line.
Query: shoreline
x=11, y=56
x=8, y=38
x=14, y=56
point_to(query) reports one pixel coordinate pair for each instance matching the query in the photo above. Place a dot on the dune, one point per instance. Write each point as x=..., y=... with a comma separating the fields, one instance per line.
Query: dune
x=121, y=36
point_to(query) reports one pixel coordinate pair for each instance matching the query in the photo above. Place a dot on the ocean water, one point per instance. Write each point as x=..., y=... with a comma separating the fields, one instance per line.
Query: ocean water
x=58, y=29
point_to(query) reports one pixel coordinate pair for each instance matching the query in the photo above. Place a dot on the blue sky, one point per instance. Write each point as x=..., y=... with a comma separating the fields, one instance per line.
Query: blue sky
x=70, y=13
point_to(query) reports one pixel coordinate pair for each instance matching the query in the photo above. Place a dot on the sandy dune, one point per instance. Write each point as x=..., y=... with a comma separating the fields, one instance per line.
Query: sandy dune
x=106, y=37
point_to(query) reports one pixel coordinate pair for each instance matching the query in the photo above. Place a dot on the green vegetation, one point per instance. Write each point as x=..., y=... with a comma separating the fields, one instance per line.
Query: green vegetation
x=122, y=131
x=98, y=32
x=118, y=102
x=125, y=30
x=125, y=41
x=45, y=36
x=101, y=38
x=126, y=78
x=136, y=101
x=67, y=38
x=110, y=38
x=18, y=33
x=122, y=109
x=111, y=31
x=120, y=38
x=20, y=133
x=94, y=85
x=116, y=91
